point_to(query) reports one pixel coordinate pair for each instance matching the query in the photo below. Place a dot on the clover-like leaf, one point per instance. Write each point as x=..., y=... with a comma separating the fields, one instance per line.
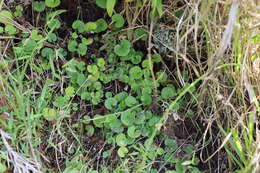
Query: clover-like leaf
x=137, y=58
x=131, y=101
x=38, y=6
x=167, y=92
x=82, y=49
x=90, y=130
x=123, y=48
x=121, y=140
x=98, y=121
x=52, y=3
x=54, y=24
x=47, y=52
x=92, y=69
x=72, y=45
x=101, y=25
x=10, y=29
x=110, y=103
x=146, y=99
x=90, y=26
x=49, y=114
x=35, y=35
x=122, y=151
x=121, y=96
x=128, y=118
x=52, y=37
x=70, y=91
x=79, y=26
x=119, y=20
x=132, y=132
x=60, y=101
x=136, y=72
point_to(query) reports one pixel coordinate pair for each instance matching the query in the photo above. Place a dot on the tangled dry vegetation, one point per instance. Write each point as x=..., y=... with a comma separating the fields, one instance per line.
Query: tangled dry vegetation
x=210, y=51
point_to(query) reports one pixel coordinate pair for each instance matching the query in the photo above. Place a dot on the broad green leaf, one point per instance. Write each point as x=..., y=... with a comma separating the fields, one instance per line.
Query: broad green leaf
x=122, y=151
x=110, y=6
x=52, y=3
x=121, y=140
x=119, y=20
x=128, y=118
x=101, y=3
x=123, y=48
x=39, y=6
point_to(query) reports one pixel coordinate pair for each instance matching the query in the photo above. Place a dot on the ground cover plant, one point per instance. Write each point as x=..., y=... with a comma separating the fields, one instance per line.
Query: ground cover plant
x=117, y=86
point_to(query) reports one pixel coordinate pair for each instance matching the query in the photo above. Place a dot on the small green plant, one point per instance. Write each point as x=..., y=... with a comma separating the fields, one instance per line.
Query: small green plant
x=52, y=3
x=123, y=48
x=39, y=6
x=118, y=20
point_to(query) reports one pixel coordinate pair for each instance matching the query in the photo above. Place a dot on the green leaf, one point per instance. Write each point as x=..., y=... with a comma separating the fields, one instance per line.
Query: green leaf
x=98, y=121
x=82, y=49
x=123, y=48
x=87, y=41
x=39, y=6
x=110, y=103
x=6, y=14
x=49, y=114
x=140, y=34
x=35, y=35
x=3, y=168
x=47, y=52
x=90, y=130
x=90, y=26
x=159, y=8
x=79, y=26
x=131, y=101
x=119, y=20
x=72, y=45
x=110, y=6
x=101, y=62
x=52, y=37
x=60, y=101
x=92, y=69
x=136, y=72
x=101, y=25
x=121, y=140
x=70, y=91
x=122, y=151
x=52, y=3
x=132, y=132
x=167, y=92
x=54, y=24
x=146, y=99
x=101, y=3
x=128, y=118
x=121, y=96
x=10, y=29
x=1, y=29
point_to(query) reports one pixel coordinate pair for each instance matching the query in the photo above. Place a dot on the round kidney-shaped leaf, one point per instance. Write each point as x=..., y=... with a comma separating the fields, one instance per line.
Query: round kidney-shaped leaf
x=122, y=151
x=136, y=73
x=121, y=140
x=123, y=48
x=167, y=92
x=128, y=118
x=110, y=103
x=52, y=3
x=119, y=20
